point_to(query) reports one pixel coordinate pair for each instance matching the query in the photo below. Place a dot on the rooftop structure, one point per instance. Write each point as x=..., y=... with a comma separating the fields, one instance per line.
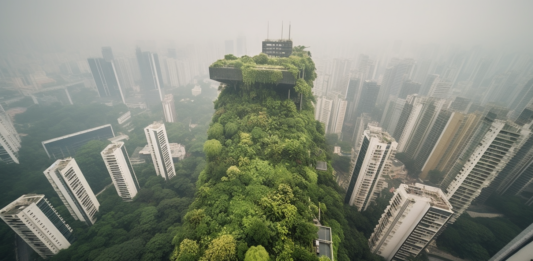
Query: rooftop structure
x=66, y=146
x=177, y=150
x=279, y=48
x=416, y=213
x=324, y=243
x=34, y=219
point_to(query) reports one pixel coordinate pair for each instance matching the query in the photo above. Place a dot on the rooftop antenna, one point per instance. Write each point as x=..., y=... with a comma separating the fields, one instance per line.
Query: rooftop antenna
x=281, y=30
x=289, y=30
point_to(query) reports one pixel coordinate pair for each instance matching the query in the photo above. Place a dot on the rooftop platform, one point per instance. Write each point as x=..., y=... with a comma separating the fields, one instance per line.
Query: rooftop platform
x=231, y=75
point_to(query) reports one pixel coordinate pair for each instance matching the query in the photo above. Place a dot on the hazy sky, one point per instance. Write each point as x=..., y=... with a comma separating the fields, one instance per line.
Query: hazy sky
x=463, y=22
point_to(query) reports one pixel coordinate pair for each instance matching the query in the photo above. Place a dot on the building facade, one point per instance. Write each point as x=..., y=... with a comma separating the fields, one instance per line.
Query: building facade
x=118, y=165
x=9, y=139
x=68, y=181
x=106, y=79
x=36, y=221
x=416, y=213
x=156, y=136
x=169, y=109
x=488, y=152
x=373, y=159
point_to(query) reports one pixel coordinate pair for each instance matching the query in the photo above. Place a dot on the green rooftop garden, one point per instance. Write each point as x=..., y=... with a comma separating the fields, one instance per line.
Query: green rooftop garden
x=264, y=69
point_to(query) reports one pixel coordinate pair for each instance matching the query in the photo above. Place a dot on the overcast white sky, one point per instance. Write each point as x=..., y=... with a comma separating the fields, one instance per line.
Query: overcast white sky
x=467, y=22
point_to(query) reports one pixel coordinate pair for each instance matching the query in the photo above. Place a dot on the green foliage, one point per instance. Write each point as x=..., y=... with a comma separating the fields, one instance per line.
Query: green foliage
x=222, y=248
x=268, y=70
x=256, y=253
x=212, y=148
x=409, y=163
x=261, y=58
x=230, y=57
x=259, y=186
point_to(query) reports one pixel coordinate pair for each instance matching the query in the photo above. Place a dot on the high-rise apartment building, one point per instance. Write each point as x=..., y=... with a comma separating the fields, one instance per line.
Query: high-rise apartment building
x=361, y=125
x=106, y=79
x=125, y=73
x=169, y=109
x=459, y=104
x=121, y=171
x=156, y=136
x=409, y=87
x=440, y=89
x=169, y=71
x=394, y=77
x=429, y=81
x=36, y=221
x=107, y=53
x=487, y=153
x=369, y=95
x=451, y=143
x=68, y=181
x=377, y=148
x=392, y=113
x=323, y=111
x=416, y=213
x=522, y=99
x=341, y=75
x=416, y=120
x=9, y=139
x=151, y=77
x=337, y=116
x=425, y=146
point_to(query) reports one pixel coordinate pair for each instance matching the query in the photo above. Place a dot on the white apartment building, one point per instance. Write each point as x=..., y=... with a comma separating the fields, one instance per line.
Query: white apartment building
x=118, y=165
x=68, y=181
x=9, y=139
x=34, y=219
x=491, y=148
x=416, y=213
x=337, y=120
x=168, y=108
x=156, y=136
x=323, y=111
x=377, y=148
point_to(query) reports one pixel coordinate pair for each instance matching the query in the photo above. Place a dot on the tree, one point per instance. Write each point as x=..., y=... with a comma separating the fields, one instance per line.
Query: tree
x=256, y=253
x=222, y=248
x=212, y=148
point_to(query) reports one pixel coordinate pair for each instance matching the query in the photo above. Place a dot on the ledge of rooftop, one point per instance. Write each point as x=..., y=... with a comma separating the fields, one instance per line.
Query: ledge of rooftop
x=230, y=74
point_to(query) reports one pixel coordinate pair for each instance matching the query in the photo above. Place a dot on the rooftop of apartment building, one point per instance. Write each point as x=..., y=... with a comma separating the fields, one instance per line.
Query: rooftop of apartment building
x=435, y=195
x=378, y=132
x=20, y=204
x=112, y=147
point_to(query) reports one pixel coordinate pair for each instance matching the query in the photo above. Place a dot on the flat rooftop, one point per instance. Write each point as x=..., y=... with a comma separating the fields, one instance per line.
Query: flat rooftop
x=112, y=147
x=21, y=203
x=436, y=196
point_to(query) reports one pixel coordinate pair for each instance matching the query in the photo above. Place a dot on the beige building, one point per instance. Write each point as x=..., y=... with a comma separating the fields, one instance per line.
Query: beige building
x=451, y=142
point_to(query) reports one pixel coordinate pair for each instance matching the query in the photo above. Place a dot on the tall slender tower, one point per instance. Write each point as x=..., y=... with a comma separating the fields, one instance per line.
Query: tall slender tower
x=121, y=171
x=168, y=108
x=9, y=139
x=34, y=219
x=416, y=213
x=106, y=79
x=156, y=136
x=151, y=76
x=376, y=150
x=488, y=152
x=68, y=181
